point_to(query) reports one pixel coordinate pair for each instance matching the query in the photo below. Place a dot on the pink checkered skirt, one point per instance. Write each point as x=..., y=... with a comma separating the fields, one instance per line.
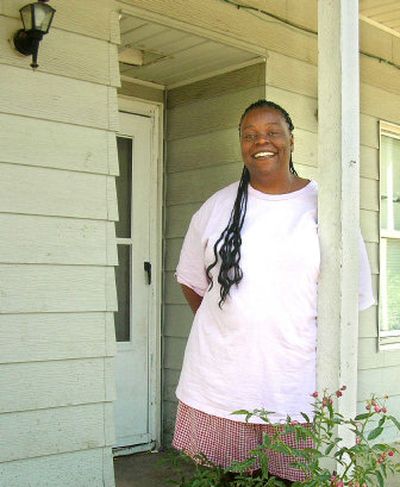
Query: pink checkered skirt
x=223, y=441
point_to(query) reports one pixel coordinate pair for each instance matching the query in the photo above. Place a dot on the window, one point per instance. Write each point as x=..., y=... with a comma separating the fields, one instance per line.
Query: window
x=389, y=285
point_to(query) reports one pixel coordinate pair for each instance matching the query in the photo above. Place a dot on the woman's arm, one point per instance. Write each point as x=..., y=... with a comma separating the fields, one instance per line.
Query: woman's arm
x=193, y=299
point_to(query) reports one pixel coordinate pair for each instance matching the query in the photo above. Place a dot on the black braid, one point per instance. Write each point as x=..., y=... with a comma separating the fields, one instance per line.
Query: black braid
x=230, y=272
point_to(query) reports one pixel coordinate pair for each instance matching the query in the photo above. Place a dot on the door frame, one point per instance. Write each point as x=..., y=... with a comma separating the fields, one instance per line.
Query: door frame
x=154, y=111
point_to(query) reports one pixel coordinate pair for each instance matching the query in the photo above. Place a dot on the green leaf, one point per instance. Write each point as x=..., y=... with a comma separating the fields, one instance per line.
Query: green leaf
x=375, y=433
x=395, y=421
x=306, y=417
x=360, y=417
x=330, y=448
x=242, y=411
x=380, y=479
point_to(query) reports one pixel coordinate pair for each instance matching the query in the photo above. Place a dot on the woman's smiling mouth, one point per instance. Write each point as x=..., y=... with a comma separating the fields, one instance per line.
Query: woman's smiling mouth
x=263, y=154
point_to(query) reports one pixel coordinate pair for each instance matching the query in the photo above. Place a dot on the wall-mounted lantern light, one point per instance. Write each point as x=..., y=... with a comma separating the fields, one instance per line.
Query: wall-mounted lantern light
x=37, y=18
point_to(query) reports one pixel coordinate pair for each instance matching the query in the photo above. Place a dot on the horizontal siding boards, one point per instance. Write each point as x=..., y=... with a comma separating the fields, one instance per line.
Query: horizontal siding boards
x=174, y=348
x=62, y=53
x=172, y=290
x=34, y=434
x=61, y=99
x=43, y=191
x=369, y=131
x=369, y=162
x=302, y=109
x=369, y=194
x=373, y=256
x=178, y=218
x=368, y=323
x=371, y=358
x=382, y=75
x=171, y=378
x=178, y=320
x=69, y=241
x=378, y=381
x=240, y=79
x=55, y=336
x=287, y=73
x=369, y=220
x=54, y=384
x=211, y=114
x=46, y=288
x=57, y=145
x=73, y=16
x=140, y=91
x=379, y=103
x=173, y=248
x=169, y=415
x=78, y=469
x=207, y=181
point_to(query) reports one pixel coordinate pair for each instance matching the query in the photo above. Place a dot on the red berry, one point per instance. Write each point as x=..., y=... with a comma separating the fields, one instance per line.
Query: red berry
x=315, y=394
x=339, y=393
x=377, y=409
x=391, y=453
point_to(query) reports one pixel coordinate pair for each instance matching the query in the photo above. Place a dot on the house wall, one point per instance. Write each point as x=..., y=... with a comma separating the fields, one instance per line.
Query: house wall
x=58, y=161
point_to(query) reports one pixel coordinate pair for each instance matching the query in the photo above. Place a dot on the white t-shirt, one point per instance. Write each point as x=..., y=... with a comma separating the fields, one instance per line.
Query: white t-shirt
x=259, y=350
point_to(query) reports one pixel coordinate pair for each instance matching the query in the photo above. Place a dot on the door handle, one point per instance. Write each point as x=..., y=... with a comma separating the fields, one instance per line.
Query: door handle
x=147, y=269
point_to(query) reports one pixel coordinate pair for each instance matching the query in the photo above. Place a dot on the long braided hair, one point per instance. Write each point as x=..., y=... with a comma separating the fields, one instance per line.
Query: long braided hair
x=229, y=255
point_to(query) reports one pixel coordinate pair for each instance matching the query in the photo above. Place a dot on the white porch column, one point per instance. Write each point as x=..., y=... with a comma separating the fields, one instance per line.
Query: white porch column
x=339, y=161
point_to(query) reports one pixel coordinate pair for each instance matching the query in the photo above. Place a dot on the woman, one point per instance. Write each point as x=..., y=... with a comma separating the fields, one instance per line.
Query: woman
x=249, y=270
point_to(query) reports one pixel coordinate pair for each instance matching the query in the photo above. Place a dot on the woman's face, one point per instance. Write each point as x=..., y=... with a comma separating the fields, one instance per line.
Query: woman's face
x=266, y=143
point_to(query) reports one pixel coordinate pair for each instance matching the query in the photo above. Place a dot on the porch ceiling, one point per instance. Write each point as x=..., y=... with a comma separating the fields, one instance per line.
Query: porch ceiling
x=157, y=53
x=383, y=12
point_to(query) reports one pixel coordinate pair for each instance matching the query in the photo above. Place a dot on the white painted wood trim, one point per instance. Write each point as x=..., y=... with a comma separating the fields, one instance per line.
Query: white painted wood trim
x=339, y=174
x=153, y=110
x=149, y=84
x=192, y=29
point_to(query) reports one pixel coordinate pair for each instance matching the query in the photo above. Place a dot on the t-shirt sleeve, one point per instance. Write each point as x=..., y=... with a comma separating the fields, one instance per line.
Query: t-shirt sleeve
x=191, y=269
x=365, y=293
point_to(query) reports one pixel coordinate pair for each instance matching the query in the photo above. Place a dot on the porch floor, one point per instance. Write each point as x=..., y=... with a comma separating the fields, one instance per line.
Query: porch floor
x=154, y=470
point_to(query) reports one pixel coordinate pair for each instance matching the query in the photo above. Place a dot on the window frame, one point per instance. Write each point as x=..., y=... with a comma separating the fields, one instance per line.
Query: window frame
x=388, y=339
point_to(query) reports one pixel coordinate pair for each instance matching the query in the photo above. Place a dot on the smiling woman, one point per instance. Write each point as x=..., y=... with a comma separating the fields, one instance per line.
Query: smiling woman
x=249, y=269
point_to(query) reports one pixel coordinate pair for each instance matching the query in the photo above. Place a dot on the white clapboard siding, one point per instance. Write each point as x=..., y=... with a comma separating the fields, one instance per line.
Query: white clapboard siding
x=376, y=41
x=178, y=218
x=369, y=194
x=302, y=109
x=55, y=384
x=210, y=114
x=173, y=248
x=369, y=162
x=368, y=323
x=43, y=191
x=174, y=349
x=369, y=225
x=172, y=290
x=50, y=97
x=178, y=320
x=62, y=53
x=378, y=381
x=55, y=336
x=287, y=73
x=73, y=16
x=69, y=241
x=369, y=131
x=216, y=86
x=379, y=103
x=171, y=378
x=57, y=145
x=381, y=75
x=49, y=288
x=33, y=434
x=78, y=469
x=371, y=358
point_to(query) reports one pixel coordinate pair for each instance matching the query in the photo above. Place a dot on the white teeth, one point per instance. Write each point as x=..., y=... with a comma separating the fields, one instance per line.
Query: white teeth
x=263, y=154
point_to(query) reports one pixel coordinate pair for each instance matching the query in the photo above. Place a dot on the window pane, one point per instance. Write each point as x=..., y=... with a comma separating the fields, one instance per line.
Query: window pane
x=393, y=283
x=124, y=187
x=390, y=183
x=122, y=277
